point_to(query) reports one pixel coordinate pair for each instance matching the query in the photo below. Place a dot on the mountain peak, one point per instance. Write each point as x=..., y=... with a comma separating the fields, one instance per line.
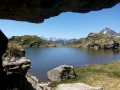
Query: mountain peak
x=61, y=40
x=108, y=31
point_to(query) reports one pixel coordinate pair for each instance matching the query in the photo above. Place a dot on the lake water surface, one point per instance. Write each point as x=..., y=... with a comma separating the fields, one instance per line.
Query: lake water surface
x=45, y=59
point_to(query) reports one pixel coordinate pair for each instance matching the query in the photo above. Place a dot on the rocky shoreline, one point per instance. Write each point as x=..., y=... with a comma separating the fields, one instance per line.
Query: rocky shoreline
x=98, y=41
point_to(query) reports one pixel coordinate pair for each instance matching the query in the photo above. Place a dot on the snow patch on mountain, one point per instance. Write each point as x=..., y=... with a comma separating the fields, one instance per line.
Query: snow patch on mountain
x=108, y=31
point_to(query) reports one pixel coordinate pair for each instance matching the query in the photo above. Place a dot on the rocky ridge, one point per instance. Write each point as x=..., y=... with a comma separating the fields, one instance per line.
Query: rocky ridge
x=30, y=41
x=106, y=39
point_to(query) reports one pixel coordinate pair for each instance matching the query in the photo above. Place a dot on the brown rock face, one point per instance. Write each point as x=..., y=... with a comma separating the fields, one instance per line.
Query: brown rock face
x=37, y=10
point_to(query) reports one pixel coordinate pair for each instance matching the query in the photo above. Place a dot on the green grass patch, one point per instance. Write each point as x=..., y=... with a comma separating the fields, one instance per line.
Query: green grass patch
x=103, y=75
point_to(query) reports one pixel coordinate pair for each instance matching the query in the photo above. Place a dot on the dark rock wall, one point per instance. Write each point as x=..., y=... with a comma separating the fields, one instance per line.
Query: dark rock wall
x=3, y=43
x=37, y=10
x=3, y=47
x=12, y=73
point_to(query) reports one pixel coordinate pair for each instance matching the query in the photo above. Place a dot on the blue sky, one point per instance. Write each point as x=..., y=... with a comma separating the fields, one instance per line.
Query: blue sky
x=66, y=25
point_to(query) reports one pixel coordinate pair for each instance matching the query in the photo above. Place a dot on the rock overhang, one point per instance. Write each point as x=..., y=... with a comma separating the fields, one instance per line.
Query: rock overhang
x=36, y=11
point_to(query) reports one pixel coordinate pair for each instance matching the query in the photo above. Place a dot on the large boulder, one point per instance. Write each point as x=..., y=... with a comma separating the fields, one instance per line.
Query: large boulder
x=77, y=86
x=20, y=66
x=61, y=73
x=14, y=60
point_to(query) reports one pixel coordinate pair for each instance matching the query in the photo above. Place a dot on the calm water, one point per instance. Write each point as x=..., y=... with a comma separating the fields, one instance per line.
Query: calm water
x=45, y=59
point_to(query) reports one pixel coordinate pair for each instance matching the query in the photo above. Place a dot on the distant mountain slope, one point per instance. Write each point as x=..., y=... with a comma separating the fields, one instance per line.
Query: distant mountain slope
x=61, y=40
x=106, y=39
x=29, y=41
x=108, y=31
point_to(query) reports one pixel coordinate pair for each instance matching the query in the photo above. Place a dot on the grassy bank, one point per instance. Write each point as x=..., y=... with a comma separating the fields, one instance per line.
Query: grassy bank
x=103, y=75
x=31, y=41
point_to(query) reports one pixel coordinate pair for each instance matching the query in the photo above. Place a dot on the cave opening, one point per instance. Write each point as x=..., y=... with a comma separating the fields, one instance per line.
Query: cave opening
x=66, y=25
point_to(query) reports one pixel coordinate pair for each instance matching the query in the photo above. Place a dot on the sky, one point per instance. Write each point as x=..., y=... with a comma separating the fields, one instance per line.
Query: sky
x=67, y=25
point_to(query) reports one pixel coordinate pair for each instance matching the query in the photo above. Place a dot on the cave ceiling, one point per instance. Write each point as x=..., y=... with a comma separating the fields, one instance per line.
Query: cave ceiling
x=36, y=11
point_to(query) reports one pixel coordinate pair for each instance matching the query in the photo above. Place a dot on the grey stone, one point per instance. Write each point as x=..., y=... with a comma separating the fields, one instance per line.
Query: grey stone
x=36, y=84
x=77, y=86
x=61, y=73
x=20, y=66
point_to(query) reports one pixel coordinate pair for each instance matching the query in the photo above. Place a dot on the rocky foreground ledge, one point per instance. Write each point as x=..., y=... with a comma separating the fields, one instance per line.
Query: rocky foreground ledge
x=15, y=68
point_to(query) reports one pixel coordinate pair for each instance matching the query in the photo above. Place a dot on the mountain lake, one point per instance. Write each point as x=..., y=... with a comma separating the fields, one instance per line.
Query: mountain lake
x=47, y=58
